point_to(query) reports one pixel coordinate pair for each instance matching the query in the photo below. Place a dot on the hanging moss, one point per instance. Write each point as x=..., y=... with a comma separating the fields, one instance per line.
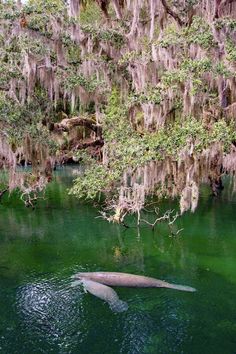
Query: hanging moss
x=168, y=124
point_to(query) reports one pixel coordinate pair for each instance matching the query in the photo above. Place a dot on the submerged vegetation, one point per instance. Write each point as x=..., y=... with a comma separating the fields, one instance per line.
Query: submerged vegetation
x=143, y=92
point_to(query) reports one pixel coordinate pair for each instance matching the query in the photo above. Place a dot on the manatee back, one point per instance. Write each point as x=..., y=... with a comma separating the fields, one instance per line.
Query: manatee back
x=105, y=293
x=100, y=290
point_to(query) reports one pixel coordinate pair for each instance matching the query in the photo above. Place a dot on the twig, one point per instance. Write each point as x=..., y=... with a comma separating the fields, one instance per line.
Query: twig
x=179, y=231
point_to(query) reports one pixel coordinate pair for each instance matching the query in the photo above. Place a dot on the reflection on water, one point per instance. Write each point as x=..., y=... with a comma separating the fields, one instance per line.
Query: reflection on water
x=41, y=249
x=50, y=313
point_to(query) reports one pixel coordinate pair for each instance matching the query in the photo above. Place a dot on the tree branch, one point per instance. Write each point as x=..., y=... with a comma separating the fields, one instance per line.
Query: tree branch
x=93, y=143
x=69, y=123
x=172, y=13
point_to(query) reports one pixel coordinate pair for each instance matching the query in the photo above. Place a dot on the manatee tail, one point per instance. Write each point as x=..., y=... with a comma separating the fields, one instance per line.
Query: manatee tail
x=119, y=306
x=180, y=287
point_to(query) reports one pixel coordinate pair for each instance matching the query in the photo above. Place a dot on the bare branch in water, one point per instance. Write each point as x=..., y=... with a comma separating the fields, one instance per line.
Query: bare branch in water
x=30, y=193
x=170, y=216
x=112, y=218
x=167, y=216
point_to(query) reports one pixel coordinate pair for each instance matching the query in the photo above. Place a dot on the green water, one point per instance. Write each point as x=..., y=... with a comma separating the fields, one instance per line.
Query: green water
x=40, y=249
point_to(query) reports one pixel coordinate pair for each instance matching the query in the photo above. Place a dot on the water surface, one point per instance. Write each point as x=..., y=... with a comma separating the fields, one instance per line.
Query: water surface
x=40, y=249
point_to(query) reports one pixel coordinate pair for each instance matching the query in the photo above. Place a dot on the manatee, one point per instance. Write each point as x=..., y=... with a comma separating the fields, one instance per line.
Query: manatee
x=129, y=280
x=103, y=292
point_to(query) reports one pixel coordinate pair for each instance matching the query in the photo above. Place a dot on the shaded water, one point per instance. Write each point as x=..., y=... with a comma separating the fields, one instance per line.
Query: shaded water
x=41, y=249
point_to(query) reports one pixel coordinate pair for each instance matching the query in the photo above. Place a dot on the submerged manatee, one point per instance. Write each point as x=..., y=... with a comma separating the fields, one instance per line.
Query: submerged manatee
x=103, y=292
x=129, y=280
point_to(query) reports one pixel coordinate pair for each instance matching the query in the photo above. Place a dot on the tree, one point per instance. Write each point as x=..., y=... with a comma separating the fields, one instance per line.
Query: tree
x=147, y=88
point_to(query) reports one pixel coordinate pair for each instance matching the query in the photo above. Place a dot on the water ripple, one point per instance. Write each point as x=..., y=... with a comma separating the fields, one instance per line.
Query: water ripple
x=52, y=312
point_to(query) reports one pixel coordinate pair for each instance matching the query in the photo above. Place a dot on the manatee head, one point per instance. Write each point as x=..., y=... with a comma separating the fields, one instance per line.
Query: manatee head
x=76, y=283
x=76, y=276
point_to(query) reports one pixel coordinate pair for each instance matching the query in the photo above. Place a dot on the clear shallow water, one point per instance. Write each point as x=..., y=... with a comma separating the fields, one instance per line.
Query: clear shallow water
x=40, y=249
